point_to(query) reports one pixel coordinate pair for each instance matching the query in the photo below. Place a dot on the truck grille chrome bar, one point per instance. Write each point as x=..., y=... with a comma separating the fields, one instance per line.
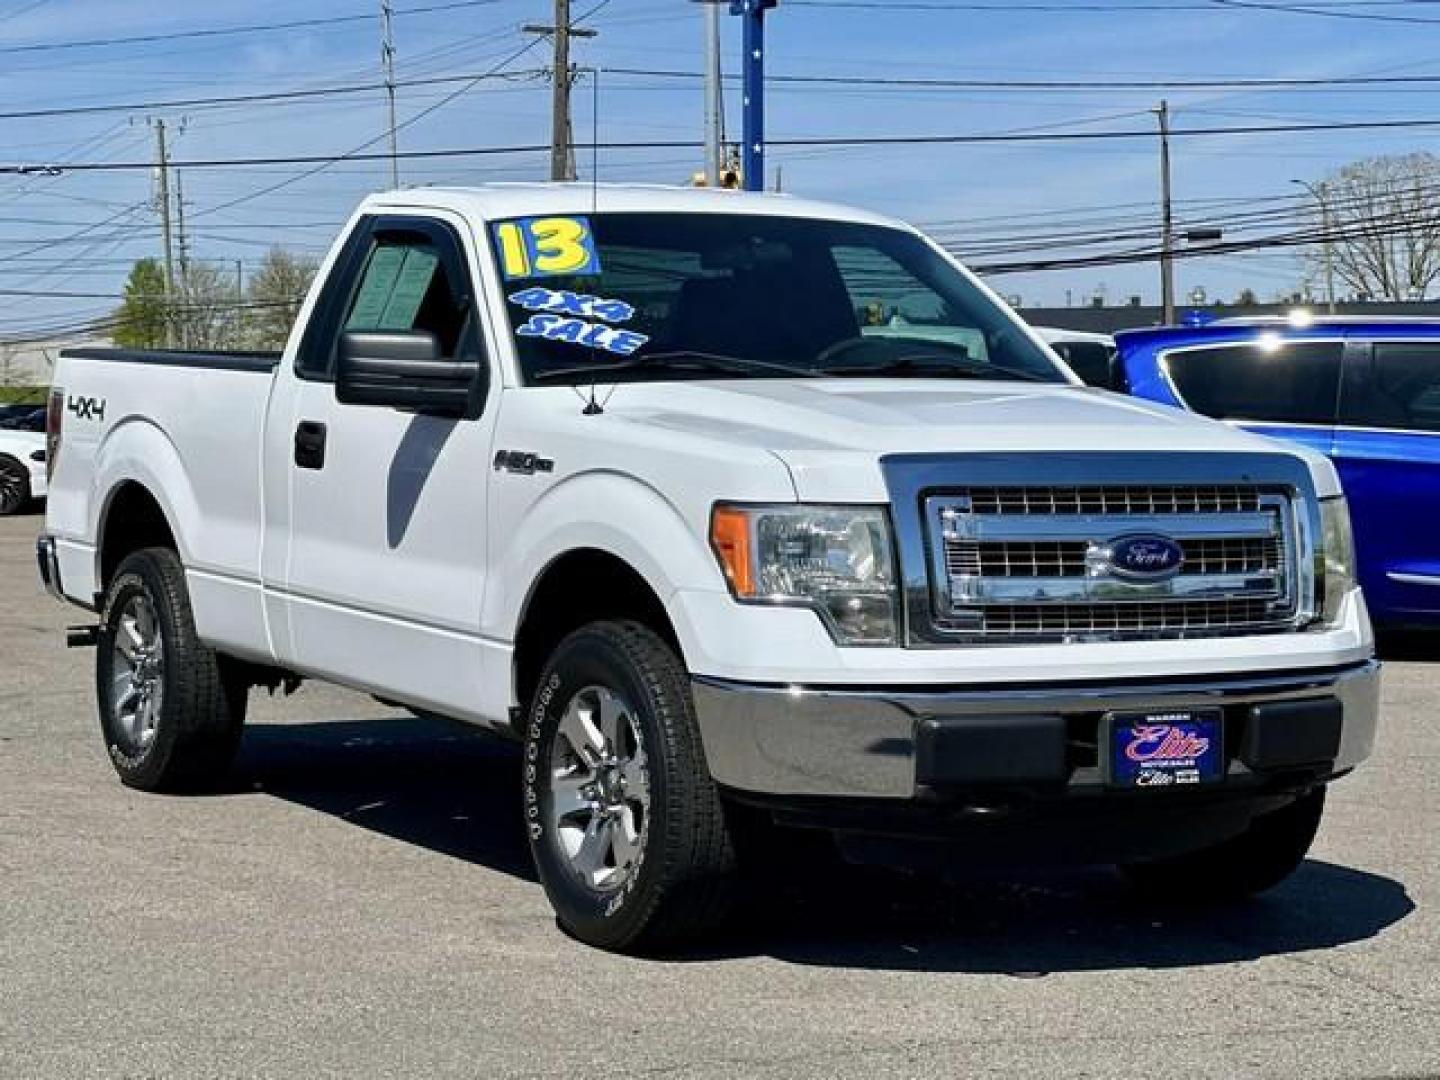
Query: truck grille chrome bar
x=1150, y=499
x=1024, y=563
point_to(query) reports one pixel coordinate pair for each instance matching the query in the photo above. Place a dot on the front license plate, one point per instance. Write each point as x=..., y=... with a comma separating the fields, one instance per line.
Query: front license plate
x=1177, y=748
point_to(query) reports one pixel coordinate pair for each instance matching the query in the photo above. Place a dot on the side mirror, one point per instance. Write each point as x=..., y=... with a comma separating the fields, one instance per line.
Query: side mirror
x=402, y=369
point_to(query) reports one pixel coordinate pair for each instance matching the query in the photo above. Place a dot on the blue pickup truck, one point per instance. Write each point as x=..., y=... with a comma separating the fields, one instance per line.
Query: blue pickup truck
x=1364, y=392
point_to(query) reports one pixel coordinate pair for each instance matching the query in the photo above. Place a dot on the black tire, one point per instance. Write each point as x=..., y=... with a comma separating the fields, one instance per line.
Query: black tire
x=1261, y=857
x=682, y=884
x=14, y=486
x=202, y=697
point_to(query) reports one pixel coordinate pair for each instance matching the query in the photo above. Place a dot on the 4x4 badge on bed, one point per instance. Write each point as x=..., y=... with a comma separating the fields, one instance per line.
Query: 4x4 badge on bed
x=86, y=408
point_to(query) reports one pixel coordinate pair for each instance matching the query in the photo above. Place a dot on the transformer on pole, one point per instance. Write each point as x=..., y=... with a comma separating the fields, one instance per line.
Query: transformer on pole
x=753, y=153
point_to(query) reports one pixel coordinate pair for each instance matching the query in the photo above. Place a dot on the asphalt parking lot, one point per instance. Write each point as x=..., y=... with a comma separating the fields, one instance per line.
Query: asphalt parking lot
x=361, y=904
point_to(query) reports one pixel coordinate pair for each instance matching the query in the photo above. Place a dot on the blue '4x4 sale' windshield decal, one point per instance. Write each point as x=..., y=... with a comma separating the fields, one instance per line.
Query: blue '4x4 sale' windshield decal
x=561, y=315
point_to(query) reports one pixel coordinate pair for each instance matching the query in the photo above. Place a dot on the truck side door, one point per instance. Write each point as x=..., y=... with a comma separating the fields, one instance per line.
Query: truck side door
x=1387, y=448
x=385, y=570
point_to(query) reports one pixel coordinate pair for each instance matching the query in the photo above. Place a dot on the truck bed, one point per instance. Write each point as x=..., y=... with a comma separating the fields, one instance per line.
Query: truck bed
x=189, y=426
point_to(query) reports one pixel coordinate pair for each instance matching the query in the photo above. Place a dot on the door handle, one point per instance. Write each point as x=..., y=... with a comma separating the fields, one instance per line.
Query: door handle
x=310, y=444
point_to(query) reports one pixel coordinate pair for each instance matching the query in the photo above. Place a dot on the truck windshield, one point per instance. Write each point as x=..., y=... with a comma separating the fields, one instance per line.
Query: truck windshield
x=629, y=297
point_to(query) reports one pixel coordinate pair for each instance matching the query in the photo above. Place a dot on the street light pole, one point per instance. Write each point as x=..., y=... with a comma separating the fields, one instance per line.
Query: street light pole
x=1321, y=193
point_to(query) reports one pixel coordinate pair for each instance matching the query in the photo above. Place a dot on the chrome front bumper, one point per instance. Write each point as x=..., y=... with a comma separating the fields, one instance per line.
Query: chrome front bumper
x=862, y=743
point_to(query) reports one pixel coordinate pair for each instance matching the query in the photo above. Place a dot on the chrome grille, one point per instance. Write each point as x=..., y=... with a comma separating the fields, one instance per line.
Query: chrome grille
x=1032, y=563
x=1068, y=558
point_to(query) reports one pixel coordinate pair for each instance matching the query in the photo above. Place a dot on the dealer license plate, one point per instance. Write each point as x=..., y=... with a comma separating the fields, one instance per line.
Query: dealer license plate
x=1165, y=749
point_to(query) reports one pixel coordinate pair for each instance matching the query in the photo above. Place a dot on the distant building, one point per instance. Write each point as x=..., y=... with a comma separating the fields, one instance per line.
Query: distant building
x=29, y=362
x=1106, y=320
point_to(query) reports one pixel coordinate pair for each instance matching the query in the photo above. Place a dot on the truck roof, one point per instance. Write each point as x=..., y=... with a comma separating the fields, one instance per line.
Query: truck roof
x=497, y=201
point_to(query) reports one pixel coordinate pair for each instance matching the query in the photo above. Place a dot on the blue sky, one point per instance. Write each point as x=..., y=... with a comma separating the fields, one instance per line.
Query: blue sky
x=982, y=196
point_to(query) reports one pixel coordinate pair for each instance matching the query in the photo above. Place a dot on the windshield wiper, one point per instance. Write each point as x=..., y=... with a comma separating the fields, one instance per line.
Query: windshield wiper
x=930, y=364
x=682, y=359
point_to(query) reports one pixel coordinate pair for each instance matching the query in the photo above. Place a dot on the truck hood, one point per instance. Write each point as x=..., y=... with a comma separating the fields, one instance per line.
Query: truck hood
x=831, y=433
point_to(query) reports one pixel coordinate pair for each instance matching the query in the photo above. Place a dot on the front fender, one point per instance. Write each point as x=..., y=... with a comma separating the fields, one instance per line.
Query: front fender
x=606, y=511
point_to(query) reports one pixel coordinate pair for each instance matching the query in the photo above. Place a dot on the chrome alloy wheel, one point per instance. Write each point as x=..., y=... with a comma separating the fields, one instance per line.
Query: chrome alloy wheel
x=599, y=788
x=137, y=680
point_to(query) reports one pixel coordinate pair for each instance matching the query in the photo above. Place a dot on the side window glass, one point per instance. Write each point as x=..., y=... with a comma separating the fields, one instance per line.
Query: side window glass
x=1282, y=382
x=405, y=285
x=1399, y=389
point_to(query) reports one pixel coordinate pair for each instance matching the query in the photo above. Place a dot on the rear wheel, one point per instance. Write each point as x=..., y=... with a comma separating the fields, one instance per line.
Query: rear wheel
x=171, y=710
x=625, y=823
x=1261, y=857
x=14, y=486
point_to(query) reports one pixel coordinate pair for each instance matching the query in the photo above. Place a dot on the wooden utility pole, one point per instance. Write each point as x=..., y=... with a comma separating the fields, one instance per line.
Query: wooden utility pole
x=183, y=283
x=162, y=200
x=387, y=61
x=562, y=78
x=1167, y=220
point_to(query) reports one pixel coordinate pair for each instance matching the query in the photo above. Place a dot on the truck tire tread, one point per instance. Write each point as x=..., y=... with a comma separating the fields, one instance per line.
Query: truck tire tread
x=686, y=887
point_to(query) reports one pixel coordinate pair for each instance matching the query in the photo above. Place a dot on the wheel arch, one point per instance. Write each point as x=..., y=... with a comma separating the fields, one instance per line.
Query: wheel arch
x=132, y=519
x=148, y=498
x=579, y=586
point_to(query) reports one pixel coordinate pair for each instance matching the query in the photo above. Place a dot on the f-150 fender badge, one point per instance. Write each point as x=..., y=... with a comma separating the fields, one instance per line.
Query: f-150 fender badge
x=86, y=408
x=522, y=462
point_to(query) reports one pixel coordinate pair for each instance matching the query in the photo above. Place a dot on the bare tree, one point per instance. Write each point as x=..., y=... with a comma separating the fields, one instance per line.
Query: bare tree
x=276, y=292
x=204, y=309
x=1383, y=221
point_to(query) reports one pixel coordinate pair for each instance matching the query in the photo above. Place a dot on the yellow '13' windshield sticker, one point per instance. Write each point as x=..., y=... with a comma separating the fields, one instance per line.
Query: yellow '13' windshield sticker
x=546, y=247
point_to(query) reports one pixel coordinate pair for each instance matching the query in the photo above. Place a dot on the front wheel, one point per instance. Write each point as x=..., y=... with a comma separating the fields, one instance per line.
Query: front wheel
x=171, y=709
x=625, y=823
x=1265, y=854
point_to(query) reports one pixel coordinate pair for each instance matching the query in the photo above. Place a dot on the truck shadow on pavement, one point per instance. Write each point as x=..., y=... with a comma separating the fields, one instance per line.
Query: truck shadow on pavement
x=455, y=791
x=1413, y=646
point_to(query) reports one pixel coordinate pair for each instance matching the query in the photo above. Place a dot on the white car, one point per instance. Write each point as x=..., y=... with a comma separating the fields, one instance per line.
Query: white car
x=628, y=475
x=1090, y=356
x=22, y=470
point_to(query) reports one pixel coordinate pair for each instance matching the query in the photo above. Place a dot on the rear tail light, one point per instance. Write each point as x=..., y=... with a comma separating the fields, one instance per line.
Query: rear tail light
x=54, y=417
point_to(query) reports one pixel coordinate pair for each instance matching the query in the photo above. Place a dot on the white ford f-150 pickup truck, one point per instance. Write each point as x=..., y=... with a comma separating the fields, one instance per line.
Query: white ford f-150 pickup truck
x=738, y=511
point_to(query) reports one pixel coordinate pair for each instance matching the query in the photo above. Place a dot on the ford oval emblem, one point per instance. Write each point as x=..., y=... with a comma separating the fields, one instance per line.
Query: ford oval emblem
x=1145, y=557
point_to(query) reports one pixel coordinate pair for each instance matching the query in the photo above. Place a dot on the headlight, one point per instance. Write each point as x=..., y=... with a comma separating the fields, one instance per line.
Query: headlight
x=1335, y=559
x=837, y=560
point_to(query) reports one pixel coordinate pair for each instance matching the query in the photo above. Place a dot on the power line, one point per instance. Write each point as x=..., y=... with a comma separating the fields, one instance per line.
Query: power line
x=913, y=82
x=326, y=160
x=231, y=31
x=1325, y=11
x=359, y=154
x=1001, y=7
x=253, y=99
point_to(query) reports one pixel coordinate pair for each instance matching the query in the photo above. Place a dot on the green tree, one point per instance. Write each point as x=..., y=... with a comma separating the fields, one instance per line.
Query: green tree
x=140, y=319
x=275, y=294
